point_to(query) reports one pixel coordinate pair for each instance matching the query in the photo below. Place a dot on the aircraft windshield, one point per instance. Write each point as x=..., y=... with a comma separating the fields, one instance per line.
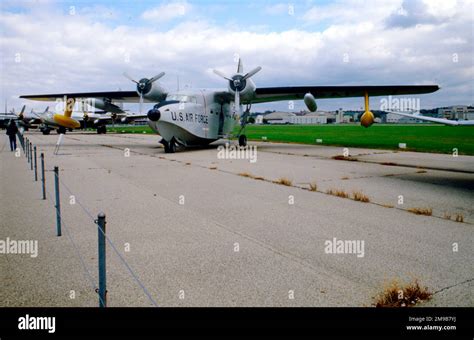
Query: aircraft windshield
x=182, y=98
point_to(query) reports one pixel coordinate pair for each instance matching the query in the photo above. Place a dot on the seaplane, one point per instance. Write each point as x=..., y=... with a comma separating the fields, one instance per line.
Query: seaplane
x=194, y=117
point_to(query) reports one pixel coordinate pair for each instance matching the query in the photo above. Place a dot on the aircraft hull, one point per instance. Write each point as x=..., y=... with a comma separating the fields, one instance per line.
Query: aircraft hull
x=169, y=130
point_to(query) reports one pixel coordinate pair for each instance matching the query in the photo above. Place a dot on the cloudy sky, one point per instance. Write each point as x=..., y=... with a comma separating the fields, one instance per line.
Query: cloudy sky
x=74, y=46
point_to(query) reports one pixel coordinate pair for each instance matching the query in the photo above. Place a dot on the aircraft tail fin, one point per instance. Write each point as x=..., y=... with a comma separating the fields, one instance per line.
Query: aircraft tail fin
x=69, y=107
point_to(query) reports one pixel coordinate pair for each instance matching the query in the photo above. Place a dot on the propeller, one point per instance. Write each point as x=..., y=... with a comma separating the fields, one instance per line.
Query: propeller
x=114, y=117
x=37, y=115
x=20, y=115
x=237, y=84
x=144, y=85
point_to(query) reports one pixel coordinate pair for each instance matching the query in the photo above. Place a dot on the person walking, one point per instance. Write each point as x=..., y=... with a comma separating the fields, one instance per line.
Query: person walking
x=12, y=130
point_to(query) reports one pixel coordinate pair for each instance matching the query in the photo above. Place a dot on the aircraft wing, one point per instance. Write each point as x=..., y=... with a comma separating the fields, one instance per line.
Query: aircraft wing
x=107, y=119
x=8, y=116
x=433, y=119
x=270, y=94
x=116, y=96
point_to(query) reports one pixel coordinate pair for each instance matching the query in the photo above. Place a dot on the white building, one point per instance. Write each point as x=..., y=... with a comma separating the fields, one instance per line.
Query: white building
x=259, y=119
x=457, y=112
x=291, y=118
x=309, y=119
x=278, y=117
x=339, y=116
x=397, y=119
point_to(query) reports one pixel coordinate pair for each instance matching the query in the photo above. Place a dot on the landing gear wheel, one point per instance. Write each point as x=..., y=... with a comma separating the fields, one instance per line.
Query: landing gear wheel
x=61, y=130
x=243, y=140
x=46, y=131
x=101, y=129
x=172, y=146
x=165, y=145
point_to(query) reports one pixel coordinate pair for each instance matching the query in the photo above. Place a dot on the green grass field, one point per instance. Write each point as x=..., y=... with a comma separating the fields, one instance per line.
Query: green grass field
x=421, y=138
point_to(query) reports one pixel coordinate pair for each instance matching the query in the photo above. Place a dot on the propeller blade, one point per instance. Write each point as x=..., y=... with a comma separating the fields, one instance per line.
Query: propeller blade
x=141, y=103
x=155, y=78
x=251, y=73
x=125, y=74
x=37, y=115
x=240, y=66
x=23, y=109
x=220, y=74
x=237, y=102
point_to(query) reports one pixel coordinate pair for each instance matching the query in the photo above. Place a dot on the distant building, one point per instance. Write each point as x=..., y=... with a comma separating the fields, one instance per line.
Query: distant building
x=397, y=119
x=339, y=116
x=291, y=118
x=259, y=119
x=347, y=118
x=457, y=112
x=310, y=118
x=278, y=117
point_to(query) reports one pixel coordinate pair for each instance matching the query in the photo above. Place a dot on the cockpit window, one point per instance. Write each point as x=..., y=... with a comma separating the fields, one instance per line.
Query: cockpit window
x=182, y=98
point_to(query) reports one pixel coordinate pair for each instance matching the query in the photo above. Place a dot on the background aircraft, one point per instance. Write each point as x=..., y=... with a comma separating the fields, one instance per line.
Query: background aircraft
x=201, y=116
x=48, y=121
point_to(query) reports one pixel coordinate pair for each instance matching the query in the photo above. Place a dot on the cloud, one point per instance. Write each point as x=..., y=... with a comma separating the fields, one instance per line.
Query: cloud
x=167, y=12
x=279, y=9
x=429, y=12
x=63, y=53
x=350, y=11
x=412, y=13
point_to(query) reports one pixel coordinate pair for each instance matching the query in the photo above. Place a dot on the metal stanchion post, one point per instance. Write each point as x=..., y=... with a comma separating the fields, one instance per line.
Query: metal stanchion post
x=102, y=263
x=42, y=176
x=36, y=167
x=58, y=202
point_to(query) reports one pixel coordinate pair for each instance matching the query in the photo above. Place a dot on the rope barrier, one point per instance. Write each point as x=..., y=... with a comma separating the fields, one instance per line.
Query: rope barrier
x=86, y=269
x=125, y=263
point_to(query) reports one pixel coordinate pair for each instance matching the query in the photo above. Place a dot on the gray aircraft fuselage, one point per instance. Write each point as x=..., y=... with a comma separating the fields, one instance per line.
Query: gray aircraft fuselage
x=193, y=117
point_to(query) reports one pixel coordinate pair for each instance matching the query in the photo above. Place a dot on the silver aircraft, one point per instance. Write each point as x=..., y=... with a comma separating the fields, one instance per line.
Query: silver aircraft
x=47, y=121
x=201, y=116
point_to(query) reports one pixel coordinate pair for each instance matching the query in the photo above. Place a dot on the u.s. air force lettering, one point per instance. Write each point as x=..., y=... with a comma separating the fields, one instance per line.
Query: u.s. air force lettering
x=189, y=117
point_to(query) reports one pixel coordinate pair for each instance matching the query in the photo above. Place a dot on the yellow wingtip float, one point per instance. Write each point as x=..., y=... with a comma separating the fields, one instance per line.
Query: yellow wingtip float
x=367, y=119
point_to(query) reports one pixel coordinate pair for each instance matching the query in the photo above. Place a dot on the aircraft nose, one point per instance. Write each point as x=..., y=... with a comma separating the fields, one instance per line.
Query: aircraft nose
x=154, y=115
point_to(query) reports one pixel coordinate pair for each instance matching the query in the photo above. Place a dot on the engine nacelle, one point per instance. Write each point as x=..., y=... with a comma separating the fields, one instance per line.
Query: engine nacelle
x=154, y=92
x=103, y=104
x=246, y=87
x=310, y=102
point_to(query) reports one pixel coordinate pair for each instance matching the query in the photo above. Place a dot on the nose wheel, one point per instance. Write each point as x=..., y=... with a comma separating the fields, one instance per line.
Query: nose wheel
x=101, y=129
x=243, y=140
x=170, y=147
